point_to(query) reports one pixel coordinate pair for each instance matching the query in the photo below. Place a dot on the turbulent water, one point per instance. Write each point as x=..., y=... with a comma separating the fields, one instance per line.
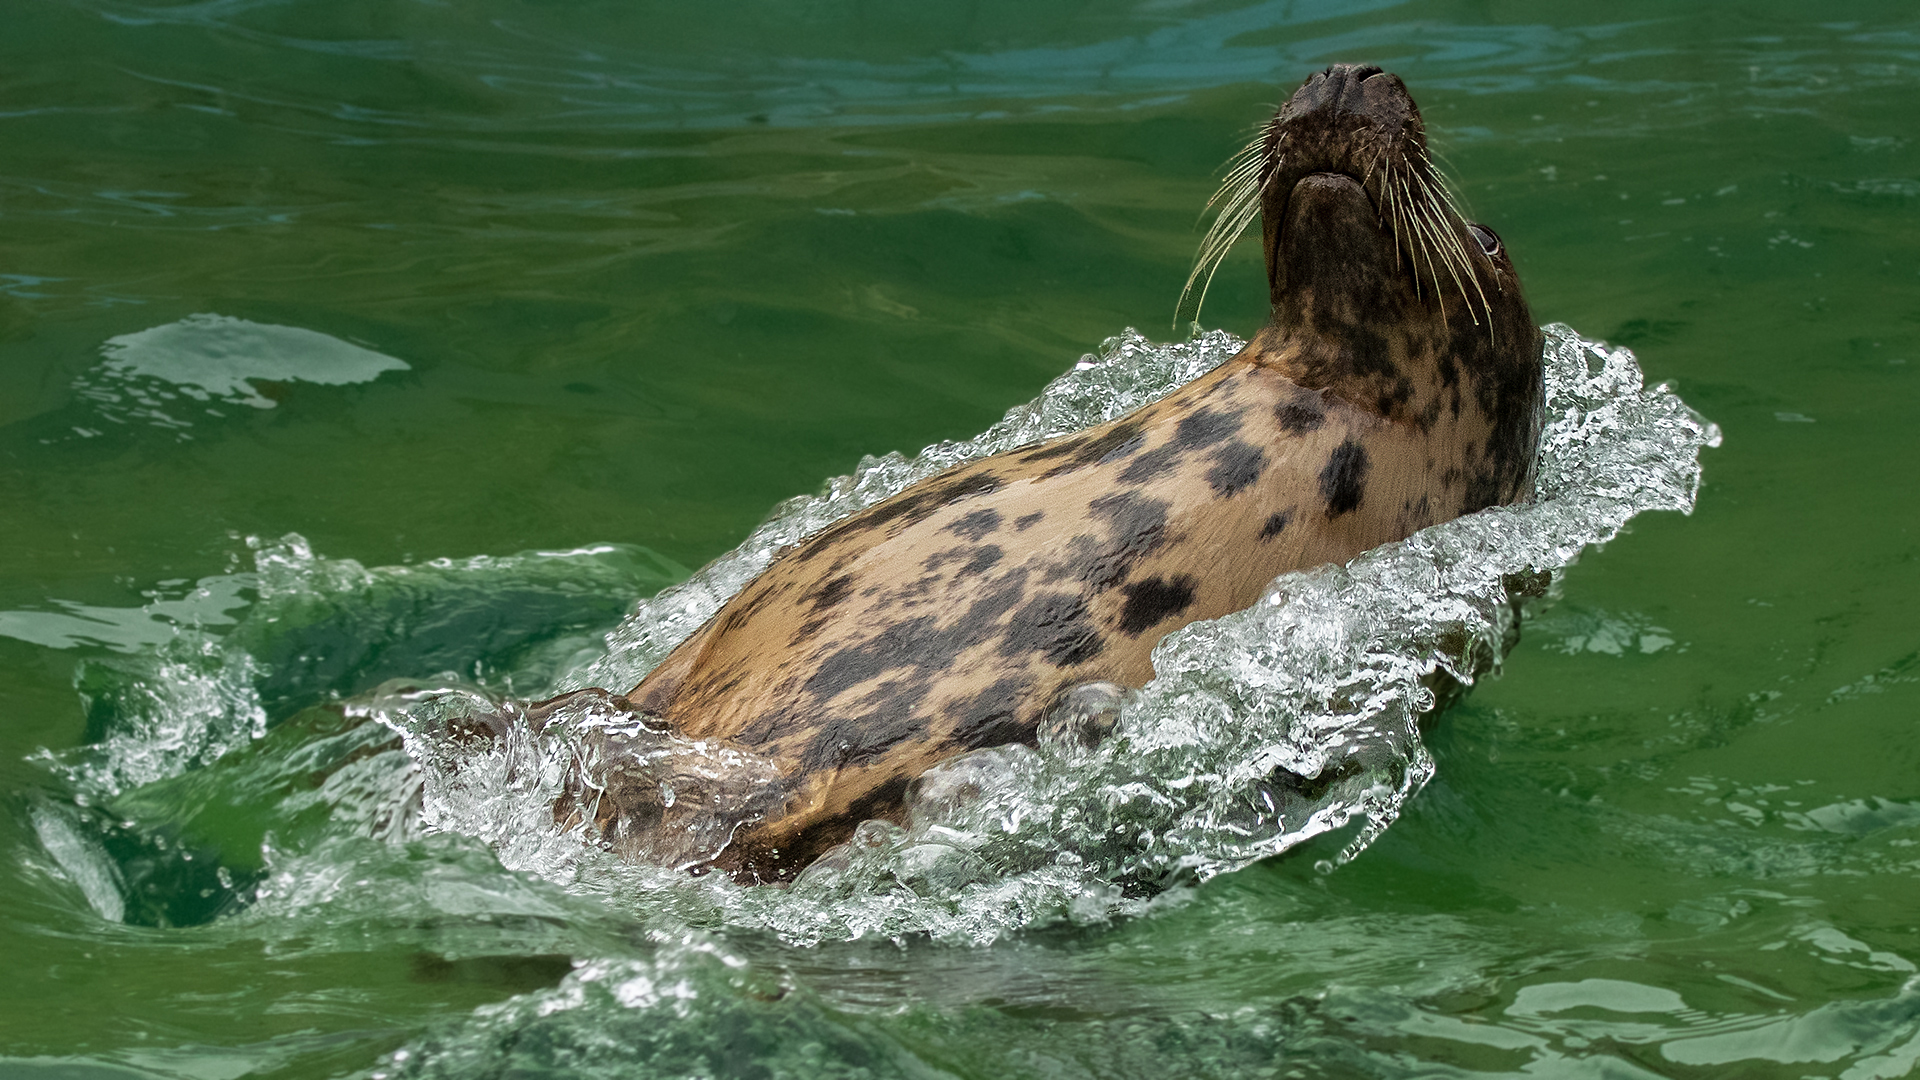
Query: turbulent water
x=1260, y=730
x=280, y=692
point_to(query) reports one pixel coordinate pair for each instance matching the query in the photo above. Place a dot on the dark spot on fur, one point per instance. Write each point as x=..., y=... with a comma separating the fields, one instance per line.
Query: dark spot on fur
x=1116, y=442
x=1506, y=385
x=983, y=560
x=1095, y=564
x=1238, y=465
x=1301, y=415
x=885, y=800
x=1058, y=626
x=1276, y=524
x=940, y=558
x=1155, y=600
x=1395, y=395
x=1139, y=521
x=1483, y=490
x=912, y=505
x=982, y=617
x=1373, y=355
x=922, y=643
x=1113, y=439
x=853, y=664
x=1131, y=446
x=1343, y=481
x=754, y=856
x=991, y=717
x=768, y=593
x=888, y=717
x=1152, y=464
x=809, y=550
x=1028, y=521
x=1137, y=526
x=1204, y=428
x=766, y=726
x=925, y=583
x=830, y=592
x=942, y=492
x=975, y=525
x=1059, y=448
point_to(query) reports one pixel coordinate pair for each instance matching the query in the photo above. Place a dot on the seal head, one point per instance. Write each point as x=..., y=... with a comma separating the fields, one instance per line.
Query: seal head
x=1381, y=290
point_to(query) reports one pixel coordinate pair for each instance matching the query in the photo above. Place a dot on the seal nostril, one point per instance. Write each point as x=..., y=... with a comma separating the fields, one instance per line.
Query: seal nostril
x=1355, y=72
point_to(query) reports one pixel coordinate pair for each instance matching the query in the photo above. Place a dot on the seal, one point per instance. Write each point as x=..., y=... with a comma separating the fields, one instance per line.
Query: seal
x=1396, y=384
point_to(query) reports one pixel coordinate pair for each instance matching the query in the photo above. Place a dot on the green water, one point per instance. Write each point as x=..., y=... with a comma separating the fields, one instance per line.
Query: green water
x=651, y=272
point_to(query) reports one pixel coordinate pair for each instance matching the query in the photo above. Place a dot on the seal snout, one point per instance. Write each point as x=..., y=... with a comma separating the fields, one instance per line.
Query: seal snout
x=1340, y=88
x=1344, y=119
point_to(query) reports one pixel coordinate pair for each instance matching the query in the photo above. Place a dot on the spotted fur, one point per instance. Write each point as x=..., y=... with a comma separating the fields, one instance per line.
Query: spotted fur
x=953, y=615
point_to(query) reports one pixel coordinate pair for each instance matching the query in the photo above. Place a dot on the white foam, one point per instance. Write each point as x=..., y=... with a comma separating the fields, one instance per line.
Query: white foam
x=218, y=356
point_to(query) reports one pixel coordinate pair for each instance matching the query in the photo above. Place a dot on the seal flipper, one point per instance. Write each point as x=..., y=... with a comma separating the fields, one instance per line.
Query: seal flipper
x=639, y=787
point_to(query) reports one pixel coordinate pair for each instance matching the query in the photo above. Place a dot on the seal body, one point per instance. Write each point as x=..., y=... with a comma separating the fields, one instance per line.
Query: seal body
x=1397, y=384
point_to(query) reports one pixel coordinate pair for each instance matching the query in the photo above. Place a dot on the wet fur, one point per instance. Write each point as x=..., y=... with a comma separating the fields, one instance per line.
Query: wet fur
x=1382, y=397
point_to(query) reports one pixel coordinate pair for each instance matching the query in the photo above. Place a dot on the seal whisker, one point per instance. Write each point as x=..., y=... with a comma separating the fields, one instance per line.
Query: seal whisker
x=1422, y=229
x=1401, y=221
x=1436, y=180
x=1428, y=152
x=1455, y=257
x=1233, y=220
x=1453, y=251
x=1375, y=163
x=1248, y=158
x=1446, y=193
x=1438, y=186
x=1439, y=203
x=1437, y=227
x=1451, y=254
x=1440, y=177
x=1402, y=249
x=1238, y=197
x=1388, y=207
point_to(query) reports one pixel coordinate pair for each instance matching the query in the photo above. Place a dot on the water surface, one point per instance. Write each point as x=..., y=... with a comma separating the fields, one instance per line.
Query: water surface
x=609, y=281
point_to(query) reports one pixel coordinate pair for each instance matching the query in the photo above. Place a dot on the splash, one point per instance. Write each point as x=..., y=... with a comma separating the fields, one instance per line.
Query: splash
x=175, y=375
x=1261, y=730
x=247, y=693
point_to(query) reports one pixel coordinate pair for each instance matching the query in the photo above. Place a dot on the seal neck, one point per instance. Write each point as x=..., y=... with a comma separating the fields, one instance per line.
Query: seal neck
x=1369, y=374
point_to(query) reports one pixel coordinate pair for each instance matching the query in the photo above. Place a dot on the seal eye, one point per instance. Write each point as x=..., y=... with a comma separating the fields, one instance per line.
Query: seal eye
x=1489, y=243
